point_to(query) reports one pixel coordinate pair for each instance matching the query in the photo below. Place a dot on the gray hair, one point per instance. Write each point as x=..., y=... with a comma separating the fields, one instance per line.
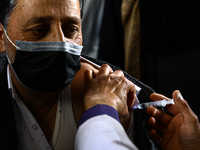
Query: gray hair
x=6, y=8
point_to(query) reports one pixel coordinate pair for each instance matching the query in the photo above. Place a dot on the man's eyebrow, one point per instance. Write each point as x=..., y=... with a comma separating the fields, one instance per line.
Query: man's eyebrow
x=71, y=19
x=46, y=19
x=38, y=19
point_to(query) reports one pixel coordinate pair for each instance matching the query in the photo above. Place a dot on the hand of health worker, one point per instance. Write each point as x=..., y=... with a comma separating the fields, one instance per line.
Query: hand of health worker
x=109, y=88
x=178, y=132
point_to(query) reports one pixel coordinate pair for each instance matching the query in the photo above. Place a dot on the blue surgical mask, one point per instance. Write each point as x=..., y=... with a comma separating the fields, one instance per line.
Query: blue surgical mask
x=46, y=66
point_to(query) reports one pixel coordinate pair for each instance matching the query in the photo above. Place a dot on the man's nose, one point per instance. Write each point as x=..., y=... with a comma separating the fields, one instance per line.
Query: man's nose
x=56, y=34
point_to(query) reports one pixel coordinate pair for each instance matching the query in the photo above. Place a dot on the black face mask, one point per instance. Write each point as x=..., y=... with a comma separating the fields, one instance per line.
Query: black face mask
x=46, y=66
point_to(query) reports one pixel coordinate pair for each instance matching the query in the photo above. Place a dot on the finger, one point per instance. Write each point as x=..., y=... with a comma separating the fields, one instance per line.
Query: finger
x=121, y=91
x=124, y=86
x=131, y=96
x=157, y=97
x=131, y=99
x=105, y=70
x=183, y=107
x=159, y=115
x=94, y=74
x=114, y=83
x=120, y=86
x=129, y=91
x=131, y=86
x=116, y=78
x=118, y=73
x=171, y=108
x=156, y=125
x=155, y=136
x=88, y=75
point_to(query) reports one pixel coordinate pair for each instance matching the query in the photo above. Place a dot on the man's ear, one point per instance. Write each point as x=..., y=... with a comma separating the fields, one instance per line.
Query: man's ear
x=2, y=43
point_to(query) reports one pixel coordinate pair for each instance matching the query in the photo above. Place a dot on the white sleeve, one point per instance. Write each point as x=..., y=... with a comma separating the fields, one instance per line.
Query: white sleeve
x=102, y=132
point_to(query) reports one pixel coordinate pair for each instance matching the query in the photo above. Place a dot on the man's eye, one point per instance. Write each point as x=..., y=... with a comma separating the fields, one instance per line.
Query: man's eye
x=39, y=31
x=70, y=31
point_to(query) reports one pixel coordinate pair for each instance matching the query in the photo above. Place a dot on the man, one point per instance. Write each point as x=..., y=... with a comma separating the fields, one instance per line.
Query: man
x=42, y=41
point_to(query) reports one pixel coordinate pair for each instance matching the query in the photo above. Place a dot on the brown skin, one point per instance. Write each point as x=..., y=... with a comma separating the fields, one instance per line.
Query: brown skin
x=78, y=85
x=178, y=132
x=46, y=20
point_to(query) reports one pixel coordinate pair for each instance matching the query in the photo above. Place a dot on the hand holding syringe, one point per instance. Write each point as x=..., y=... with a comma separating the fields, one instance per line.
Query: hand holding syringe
x=161, y=103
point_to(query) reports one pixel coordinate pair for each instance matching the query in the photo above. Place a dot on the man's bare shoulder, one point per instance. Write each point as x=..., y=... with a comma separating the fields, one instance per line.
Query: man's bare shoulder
x=78, y=84
x=79, y=78
x=85, y=66
x=78, y=90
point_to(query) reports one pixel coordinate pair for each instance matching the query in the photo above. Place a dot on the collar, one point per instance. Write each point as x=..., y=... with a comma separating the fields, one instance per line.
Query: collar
x=11, y=88
x=10, y=85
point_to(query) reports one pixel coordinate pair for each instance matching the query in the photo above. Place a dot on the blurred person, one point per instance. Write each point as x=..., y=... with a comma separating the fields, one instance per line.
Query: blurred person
x=103, y=32
x=91, y=26
x=161, y=45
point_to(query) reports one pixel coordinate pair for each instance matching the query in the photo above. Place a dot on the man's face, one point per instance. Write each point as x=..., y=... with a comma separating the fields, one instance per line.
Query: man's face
x=44, y=20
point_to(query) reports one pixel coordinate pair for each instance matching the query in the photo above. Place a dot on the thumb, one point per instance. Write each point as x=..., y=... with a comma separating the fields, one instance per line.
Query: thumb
x=88, y=75
x=131, y=98
x=182, y=106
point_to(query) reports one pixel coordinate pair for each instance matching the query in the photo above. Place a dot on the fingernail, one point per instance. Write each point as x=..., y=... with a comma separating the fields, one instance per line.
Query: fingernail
x=179, y=96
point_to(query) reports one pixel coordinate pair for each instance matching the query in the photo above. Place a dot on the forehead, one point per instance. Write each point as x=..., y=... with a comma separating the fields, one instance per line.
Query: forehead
x=29, y=8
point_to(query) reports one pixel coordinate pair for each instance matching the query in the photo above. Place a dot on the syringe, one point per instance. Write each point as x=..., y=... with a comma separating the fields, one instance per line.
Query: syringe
x=161, y=103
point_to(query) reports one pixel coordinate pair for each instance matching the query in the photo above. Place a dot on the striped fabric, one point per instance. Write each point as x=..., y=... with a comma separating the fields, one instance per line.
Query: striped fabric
x=131, y=22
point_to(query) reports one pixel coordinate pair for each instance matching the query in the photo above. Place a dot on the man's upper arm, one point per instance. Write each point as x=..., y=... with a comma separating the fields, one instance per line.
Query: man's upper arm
x=78, y=90
x=78, y=84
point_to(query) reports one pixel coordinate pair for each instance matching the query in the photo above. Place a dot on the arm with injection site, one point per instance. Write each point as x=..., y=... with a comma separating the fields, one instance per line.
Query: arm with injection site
x=106, y=100
x=136, y=105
